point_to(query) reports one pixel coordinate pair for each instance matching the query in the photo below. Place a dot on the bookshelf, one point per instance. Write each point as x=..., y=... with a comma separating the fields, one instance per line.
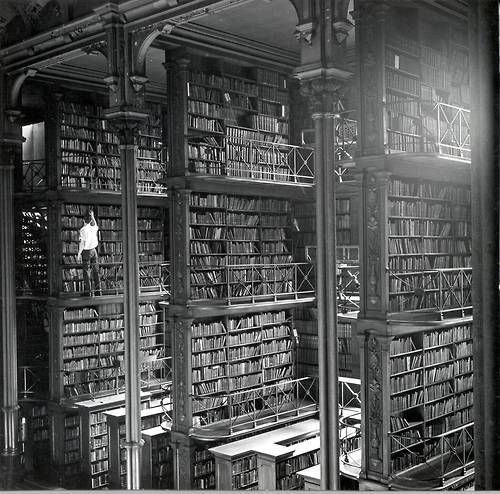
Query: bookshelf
x=95, y=439
x=89, y=348
x=240, y=249
x=237, y=125
x=427, y=86
x=157, y=458
x=35, y=422
x=236, y=274
x=235, y=354
x=89, y=152
x=428, y=244
x=115, y=420
x=267, y=460
x=71, y=448
x=151, y=247
x=431, y=393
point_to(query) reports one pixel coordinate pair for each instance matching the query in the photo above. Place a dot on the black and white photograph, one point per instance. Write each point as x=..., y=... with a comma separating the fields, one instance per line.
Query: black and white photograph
x=249, y=245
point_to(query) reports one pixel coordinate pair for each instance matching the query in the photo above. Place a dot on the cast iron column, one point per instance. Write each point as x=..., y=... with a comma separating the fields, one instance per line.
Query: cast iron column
x=485, y=241
x=128, y=134
x=322, y=93
x=10, y=156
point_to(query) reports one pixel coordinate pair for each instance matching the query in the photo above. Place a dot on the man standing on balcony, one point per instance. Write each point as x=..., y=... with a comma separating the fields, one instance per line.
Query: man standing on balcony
x=87, y=254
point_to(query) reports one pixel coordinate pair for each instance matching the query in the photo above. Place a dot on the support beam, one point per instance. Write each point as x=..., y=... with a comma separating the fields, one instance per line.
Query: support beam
x=323, y=94
x=126, y=99
x=322, y=76
x=485, y=241
x=10, y=156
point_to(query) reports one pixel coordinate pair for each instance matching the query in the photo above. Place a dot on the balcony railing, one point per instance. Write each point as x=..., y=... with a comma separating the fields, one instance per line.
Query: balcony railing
x=453, y=130
x=248, y=283
x=32, y=381
x=444, y=129
x=248, y=409
x=154, y=276
x=156, y=372
x=269, y=161
x=34, y=176
x=444, y=290
x=446, y=455
x=347, y=287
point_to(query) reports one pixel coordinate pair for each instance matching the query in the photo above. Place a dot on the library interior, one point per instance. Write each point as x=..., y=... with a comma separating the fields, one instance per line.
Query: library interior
x=249, y=245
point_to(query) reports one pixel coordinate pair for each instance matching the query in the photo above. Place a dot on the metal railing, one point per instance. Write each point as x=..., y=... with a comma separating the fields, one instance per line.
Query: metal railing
x=347, y=287
x=252, y=407
x=32, y=381
x=346, y=138
x=153, y=276
x=350, y=393
x=269, y=161
x=453, y=130
x=447, y=455
x=34, y=176
x=439, y=289
x=156, y=372
x=349, y=420
x=244, y=283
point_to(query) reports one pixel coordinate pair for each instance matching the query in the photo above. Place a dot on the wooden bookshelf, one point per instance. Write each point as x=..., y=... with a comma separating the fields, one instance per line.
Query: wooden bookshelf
x=115, y=419
x=95, y=439
x=431, y=392
x=268, y=460
x=428, y=230
x=89, y=348
x=240, y=249
x=90, y=156
x=36, y=444
x=157, y=458
x=426, y=65
x=151, y=247
x=237, y=126
x=235, y=354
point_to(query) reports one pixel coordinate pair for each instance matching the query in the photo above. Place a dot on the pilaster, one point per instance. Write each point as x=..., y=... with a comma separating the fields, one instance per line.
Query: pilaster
x=375, y=461
x=370, y=43
x=179, y=246
x=373, y=246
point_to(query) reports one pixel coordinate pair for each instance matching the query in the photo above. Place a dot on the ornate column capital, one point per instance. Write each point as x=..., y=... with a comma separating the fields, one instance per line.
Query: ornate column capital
x=322, y=93
x=126, y=124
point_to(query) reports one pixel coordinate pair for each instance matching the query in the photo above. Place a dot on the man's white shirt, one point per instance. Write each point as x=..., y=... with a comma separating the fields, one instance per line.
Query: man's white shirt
x=88, y=236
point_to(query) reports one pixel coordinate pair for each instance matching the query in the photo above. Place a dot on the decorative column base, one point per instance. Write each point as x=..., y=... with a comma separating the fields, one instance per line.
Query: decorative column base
x=11, y=470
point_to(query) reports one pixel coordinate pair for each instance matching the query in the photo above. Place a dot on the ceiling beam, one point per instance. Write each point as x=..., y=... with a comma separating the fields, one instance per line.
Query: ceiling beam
x=213, y=42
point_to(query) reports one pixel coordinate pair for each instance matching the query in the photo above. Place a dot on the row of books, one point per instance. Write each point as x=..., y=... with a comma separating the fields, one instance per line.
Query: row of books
x=423, y=227
x=426, y=245
x=422, y=190
x=428, y=261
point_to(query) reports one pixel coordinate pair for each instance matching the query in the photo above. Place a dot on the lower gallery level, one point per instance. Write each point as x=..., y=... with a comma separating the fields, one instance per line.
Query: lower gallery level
x=239, y=240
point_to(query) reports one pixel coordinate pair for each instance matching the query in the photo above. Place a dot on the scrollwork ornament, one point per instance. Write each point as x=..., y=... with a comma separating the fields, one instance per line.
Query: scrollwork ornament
x=181, y=262
x=374, y=403
x=180, y=342
x=373, y=243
